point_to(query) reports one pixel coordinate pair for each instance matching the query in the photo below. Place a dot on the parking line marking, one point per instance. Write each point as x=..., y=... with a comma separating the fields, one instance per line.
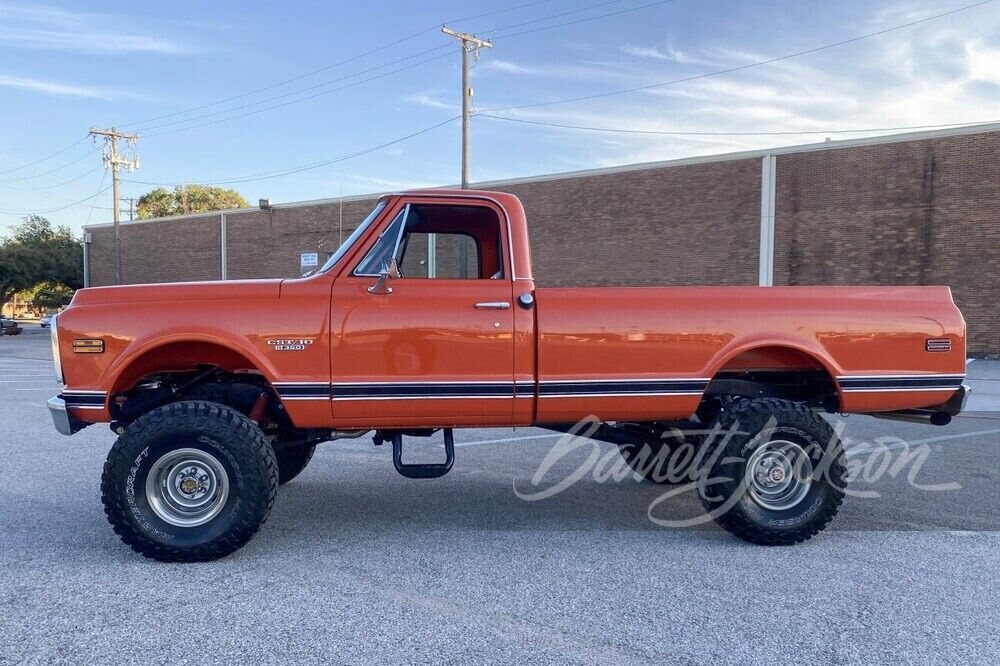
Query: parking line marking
x=508, y=439
x=27, y=381
x=928, y=440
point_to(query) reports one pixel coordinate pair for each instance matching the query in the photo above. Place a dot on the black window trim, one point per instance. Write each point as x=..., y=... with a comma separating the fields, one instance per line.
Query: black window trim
x=405, y=213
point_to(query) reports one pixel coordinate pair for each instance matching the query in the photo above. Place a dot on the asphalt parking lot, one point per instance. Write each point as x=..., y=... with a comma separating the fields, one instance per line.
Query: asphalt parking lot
x=357, y=564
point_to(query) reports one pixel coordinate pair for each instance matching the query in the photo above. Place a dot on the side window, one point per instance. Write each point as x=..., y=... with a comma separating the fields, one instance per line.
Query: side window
x=446, y=256
x=451, y=243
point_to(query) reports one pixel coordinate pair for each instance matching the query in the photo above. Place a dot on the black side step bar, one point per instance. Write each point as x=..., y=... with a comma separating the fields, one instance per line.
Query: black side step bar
x=423, y=470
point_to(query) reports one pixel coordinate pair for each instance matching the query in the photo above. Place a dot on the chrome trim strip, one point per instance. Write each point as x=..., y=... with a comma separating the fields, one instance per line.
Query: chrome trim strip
x=366, y=398
x=900, y=389
x=493, y=382
x=909, y=376
x=623, y=381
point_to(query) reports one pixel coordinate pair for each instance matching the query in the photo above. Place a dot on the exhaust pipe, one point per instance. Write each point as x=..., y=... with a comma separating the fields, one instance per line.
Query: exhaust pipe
x=939, y=415
x=924, y=416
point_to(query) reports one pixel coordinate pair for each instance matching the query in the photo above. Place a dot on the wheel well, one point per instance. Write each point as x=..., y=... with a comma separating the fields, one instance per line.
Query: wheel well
x=182, y=357
x=194, y=370
x=776, y=372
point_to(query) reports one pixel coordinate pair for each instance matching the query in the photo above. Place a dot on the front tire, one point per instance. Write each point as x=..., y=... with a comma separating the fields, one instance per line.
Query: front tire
x=188, y=482
x=780, y=479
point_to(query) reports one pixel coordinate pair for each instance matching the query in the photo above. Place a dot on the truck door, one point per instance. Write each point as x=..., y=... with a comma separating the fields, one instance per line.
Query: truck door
x=422, y=325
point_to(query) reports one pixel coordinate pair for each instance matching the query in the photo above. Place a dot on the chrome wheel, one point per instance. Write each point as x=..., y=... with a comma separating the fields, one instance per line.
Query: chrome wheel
x=778, y=475
x=187, y=487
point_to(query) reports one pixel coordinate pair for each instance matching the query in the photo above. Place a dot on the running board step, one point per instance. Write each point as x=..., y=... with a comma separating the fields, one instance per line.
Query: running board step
x=423, y=470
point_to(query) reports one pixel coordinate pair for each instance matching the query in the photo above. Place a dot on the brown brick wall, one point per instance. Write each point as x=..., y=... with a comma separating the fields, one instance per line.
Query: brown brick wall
x=683, y=225
x=185, y=248
x=919, y=212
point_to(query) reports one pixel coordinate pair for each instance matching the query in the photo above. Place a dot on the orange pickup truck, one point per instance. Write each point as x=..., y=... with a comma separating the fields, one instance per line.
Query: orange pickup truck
x=428, y=318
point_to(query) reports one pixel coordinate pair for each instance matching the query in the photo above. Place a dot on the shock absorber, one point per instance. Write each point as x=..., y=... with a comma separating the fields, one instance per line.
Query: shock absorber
x=257, y=411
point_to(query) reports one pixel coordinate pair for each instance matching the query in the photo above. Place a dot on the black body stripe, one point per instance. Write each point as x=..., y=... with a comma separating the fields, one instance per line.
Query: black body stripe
x=84, y=400
x=302, y=390
x=491, y=389
x=900, y=384
x=623, y=388
x=413, y=390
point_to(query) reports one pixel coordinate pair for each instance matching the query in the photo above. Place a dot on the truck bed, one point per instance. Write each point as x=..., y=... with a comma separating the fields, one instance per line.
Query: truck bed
x=649, y=352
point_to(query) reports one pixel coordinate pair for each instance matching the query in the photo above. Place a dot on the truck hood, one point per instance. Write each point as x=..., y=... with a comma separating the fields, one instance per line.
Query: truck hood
x=179, y=291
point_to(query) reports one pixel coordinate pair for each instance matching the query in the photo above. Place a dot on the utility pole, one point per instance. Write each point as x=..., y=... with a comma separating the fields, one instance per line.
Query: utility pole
x=470, y=44
x=131, y=207
x=115, y=160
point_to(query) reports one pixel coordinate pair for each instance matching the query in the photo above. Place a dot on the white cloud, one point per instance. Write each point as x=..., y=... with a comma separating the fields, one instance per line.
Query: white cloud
x=49, y=87
x=937, y=73
x=30, y=26
x=429, y=100
x=666, y=53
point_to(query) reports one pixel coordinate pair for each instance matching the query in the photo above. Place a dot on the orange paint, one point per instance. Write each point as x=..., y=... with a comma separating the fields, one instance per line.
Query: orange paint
x=425, y=355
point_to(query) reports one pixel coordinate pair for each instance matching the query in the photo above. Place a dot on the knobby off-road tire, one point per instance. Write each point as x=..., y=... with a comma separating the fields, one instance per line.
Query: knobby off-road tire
x=751, y=504
x=292, y=460
x=190, y=481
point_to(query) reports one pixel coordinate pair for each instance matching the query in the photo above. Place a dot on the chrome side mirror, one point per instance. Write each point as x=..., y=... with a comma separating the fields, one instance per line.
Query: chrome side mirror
x=390, y=269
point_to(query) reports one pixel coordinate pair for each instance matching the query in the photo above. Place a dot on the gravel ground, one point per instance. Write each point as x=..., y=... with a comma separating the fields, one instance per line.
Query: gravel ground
x=357, y=564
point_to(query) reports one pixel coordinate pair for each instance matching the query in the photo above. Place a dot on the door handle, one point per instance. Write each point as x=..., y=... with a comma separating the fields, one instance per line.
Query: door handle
x=493, y=305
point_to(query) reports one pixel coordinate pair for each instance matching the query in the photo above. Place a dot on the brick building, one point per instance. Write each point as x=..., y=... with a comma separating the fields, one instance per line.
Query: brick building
x=917, y=208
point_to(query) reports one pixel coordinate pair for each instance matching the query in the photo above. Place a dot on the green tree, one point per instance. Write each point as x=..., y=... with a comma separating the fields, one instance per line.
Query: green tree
x=188, y=199
x=46, y=296
x=35, y=252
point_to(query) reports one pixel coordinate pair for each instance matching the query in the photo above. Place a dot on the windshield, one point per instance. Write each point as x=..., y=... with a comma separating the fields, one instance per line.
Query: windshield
x=342, y=250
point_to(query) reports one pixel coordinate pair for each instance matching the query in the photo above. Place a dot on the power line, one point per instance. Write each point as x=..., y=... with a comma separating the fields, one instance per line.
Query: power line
x=619, y=130
x=553, y=16
x=58, y=168
x=145, y=130
x=325, y=68
x=55, y=210
x=50, y=187
x=583, y=20
x=47, y=157
x=739, y=68
x=305, y=167
x=293, y=93
x=92, y=206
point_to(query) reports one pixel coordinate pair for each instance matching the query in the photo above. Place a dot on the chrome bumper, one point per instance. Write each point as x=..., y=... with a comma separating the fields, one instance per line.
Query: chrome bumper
x=956, y=403
x=64, y=422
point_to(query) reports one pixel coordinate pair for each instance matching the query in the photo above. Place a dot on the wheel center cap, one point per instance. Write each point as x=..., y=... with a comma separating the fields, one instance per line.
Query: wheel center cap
x=777, y=474
x=189, y=486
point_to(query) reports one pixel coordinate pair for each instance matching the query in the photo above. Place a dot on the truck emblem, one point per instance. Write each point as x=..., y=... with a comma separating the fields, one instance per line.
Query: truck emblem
x=297, y=344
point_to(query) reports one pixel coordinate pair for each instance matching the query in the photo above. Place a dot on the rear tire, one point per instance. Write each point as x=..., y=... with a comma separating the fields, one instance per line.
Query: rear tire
x=780, y=480
x=292, y=460
x=189, y=482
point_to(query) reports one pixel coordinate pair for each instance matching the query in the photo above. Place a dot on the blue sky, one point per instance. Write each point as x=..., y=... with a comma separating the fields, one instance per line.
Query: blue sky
x=65, y=66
